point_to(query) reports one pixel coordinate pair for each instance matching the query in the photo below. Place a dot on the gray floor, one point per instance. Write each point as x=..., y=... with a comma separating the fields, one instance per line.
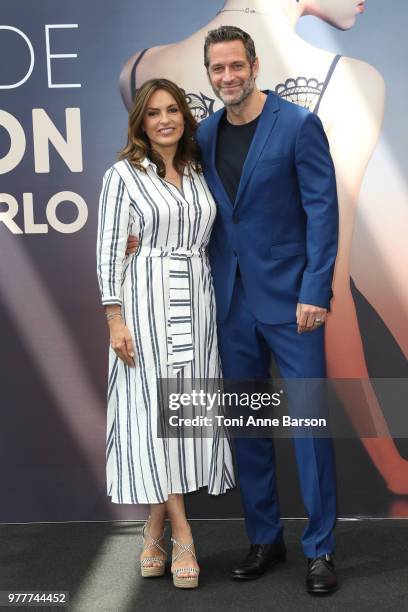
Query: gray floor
x=98, y=564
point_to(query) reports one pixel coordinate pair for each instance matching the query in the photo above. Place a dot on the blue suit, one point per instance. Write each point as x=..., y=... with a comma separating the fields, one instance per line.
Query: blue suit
x=282, y=230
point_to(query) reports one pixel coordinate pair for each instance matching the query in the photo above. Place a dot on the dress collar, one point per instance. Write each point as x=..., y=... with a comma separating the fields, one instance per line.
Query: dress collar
x=146, y=162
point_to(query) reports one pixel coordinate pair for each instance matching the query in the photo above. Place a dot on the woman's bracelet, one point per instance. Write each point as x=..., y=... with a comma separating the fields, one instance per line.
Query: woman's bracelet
x=110, y=315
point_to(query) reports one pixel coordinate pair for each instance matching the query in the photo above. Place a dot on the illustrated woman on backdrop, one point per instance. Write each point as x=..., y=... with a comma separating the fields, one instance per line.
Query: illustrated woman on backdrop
x=160, y=310
x=348, y=96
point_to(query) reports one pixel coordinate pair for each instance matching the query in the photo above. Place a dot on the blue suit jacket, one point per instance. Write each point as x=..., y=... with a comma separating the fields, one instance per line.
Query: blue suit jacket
x=282, y=228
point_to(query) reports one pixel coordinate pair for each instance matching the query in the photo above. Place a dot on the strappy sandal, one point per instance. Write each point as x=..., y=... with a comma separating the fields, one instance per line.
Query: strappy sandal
x=184, y=582
x=148, y=570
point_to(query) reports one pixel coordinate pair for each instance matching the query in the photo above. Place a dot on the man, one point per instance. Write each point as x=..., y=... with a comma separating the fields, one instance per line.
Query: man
x=273, y=248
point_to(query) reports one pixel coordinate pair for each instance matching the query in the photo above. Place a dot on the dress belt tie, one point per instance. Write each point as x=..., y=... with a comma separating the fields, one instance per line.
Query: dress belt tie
x=180, y=350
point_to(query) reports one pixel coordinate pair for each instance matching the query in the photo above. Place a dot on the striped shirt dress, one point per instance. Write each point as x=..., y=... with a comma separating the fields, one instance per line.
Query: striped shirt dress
x=167, y=301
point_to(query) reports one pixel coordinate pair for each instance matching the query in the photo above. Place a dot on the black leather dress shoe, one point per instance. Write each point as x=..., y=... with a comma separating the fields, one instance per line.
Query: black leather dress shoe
x=321, y=575
x=259, y=559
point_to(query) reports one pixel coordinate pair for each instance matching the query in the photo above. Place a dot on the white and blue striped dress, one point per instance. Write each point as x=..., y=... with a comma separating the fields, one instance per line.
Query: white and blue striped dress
x=167, y=299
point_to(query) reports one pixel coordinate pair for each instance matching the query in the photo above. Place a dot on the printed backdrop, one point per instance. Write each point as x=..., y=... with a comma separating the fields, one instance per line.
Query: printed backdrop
x=62, y=122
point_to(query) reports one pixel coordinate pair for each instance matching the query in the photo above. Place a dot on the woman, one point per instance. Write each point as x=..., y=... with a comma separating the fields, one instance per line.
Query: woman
x=348, y=96
x=160, y=312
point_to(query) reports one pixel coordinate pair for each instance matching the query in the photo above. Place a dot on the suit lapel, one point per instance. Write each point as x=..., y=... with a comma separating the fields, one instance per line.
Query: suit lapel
x=266, y=123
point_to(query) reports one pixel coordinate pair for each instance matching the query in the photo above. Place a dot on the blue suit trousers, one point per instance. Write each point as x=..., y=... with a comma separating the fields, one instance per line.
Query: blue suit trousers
x=245, y=346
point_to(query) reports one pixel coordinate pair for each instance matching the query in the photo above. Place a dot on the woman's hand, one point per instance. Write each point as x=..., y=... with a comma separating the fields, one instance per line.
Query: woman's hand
x=121, y=341
x=132, y=244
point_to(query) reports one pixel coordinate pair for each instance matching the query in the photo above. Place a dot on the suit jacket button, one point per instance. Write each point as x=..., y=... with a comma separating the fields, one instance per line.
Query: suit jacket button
x=235, y=254
x=235, y=219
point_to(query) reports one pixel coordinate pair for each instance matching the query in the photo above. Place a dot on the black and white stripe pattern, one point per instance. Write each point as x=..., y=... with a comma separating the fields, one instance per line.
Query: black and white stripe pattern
x=166, y=293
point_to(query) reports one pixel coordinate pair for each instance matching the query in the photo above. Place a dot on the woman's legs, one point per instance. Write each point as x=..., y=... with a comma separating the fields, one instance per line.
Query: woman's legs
x=180, y=531
x=345, y=359
x=155, y=531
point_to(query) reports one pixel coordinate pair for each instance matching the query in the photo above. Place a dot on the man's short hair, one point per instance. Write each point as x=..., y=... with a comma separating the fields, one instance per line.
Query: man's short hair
x=227, y=34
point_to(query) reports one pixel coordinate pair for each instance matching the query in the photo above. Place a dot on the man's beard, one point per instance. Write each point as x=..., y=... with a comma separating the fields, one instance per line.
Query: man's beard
x=247, y=89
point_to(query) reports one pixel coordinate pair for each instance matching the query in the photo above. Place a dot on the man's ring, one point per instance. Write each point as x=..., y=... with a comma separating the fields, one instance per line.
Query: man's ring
x=318, y=322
